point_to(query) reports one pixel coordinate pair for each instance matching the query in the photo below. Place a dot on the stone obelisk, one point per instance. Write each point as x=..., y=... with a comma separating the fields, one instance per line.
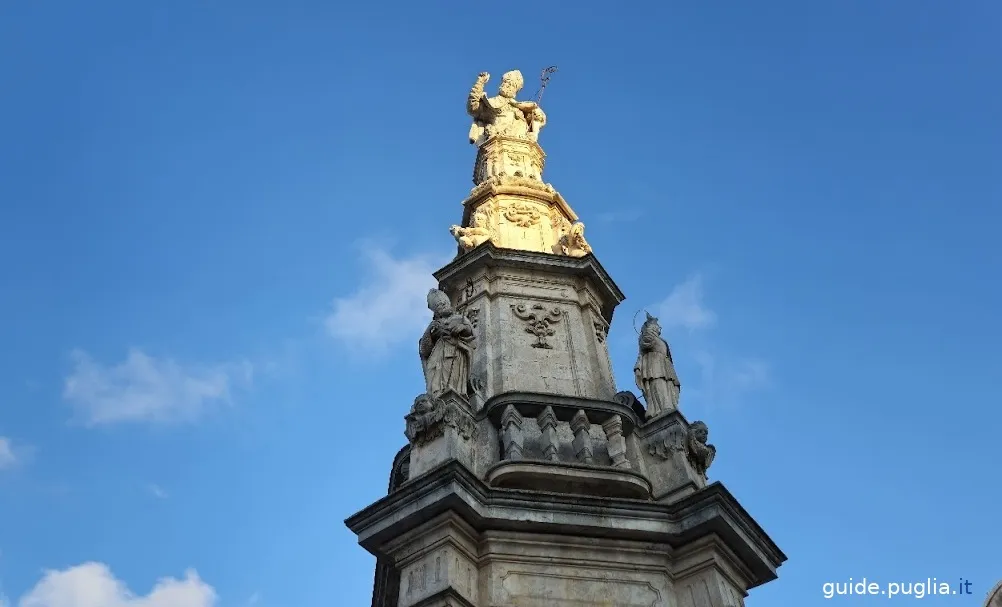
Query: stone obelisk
x=528, y=479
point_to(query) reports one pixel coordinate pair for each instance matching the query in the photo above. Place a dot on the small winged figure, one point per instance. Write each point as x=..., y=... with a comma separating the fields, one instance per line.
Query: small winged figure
x=700, y=452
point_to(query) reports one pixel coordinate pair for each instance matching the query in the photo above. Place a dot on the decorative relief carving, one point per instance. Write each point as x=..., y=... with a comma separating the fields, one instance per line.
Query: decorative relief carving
x=429, y=417
x=601, y=330
x=692, y=442
x=629, y=399
x=521, y=214
x=667, y=442
x=699, y=452
x=474, y=315
x=573, y=243
x=417, y=579
x=478, y=232
x=539, y=318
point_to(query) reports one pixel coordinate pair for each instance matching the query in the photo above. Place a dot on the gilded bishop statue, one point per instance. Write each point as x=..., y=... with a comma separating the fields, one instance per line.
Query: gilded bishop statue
x=529, y=478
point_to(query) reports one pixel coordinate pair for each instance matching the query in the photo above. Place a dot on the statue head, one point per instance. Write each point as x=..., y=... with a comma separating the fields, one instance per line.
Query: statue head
x=438, y=302
x=650, y=325
x=423, y=404
x=699, y=431
x=577, y=229
x=479, y=219
x=511, y=84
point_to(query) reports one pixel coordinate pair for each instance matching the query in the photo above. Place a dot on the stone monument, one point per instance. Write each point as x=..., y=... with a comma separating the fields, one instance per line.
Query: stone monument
x=529, y=480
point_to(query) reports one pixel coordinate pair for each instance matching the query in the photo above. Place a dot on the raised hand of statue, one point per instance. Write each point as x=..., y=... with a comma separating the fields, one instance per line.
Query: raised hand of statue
x=435, y=329
x=483, y=77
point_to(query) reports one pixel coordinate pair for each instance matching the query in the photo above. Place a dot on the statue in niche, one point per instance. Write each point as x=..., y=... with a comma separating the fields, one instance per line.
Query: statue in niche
x=475, y=235
x=655, y=371
x=573, y=243
x=446, y=348
x=700, y=452
x=503, y=115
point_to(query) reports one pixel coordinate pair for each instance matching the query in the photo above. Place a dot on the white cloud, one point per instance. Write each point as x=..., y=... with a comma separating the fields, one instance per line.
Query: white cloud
x=684, y=306
x=725, y=381
x=7, y=457
x=146, y=389
x=13, y=454
x=715, y=376
x=93, y=585
x=157, y=491
x=388, y=308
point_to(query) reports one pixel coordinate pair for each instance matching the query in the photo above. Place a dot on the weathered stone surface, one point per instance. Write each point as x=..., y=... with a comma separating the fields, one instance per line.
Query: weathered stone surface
x=450, y=534
x=529, y=480
x=536, y=317
x=446, y=348
x=654, y=370
x=440, y=429
x=663, y=449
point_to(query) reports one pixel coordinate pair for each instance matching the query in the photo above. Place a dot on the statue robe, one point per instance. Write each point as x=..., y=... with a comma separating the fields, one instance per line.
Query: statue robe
x=655, y=375
x=446, y=350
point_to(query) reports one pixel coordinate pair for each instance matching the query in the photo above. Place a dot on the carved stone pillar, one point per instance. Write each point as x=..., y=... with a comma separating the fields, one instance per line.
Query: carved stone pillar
x=548, y=428
x=617, y=443
x=582, y=440
x=511, y=437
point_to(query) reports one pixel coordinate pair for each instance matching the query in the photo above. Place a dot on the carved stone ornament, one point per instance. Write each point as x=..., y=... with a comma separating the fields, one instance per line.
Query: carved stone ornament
x=699, y=452
x=573, y=243
x=629, y=399
x=539, y=319
x=521, y=214
x=477, y=233
x=429, y=418
x=474, y=315
x=670, y=440
x=601, y=330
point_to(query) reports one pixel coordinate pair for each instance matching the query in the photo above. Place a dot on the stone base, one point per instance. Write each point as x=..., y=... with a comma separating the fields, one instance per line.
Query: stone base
x=456, y=541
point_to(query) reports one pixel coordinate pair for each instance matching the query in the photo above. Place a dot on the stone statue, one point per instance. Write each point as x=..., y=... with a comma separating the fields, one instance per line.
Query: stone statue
x=573, y=243
x=655, y=371
x=700, y=452
x=477, y=234
x=446, y=348
x=503, y=115
x=429, y=417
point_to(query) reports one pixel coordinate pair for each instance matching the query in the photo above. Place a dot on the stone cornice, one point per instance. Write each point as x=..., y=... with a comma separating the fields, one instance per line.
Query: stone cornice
x=452, y=487
x=487, y=255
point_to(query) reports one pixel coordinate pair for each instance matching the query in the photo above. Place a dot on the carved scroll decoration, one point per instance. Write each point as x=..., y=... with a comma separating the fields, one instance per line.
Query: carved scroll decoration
x=539, y=319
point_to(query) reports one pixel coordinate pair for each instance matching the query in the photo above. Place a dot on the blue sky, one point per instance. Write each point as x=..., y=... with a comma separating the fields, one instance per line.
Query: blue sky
x=218, y=221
